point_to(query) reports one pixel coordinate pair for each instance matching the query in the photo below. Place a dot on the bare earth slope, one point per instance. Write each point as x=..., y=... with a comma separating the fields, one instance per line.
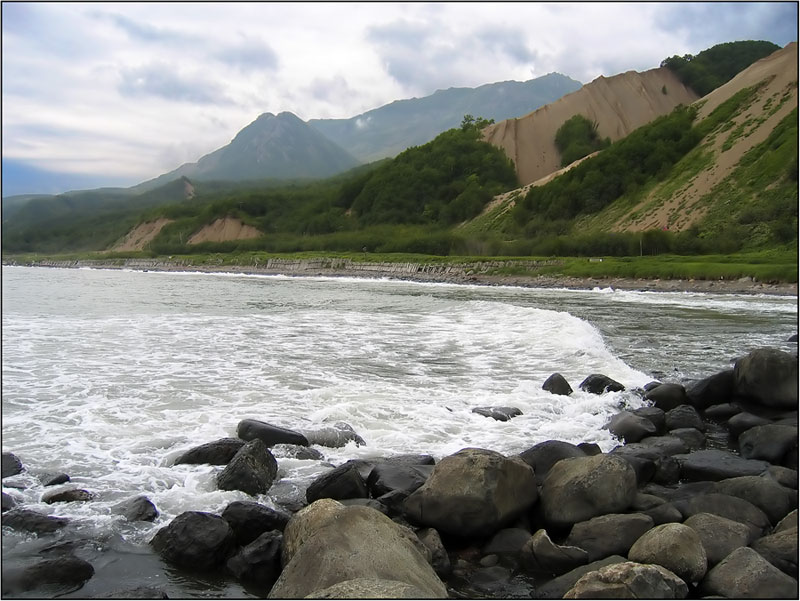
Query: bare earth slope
x=140, y=236
x=225, y=229
x=618, y=105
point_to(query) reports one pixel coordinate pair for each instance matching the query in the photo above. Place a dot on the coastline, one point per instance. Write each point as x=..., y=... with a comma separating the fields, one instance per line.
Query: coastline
x=478, y=273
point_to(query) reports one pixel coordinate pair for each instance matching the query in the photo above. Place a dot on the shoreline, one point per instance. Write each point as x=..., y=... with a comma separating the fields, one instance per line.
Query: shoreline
x=460, y=274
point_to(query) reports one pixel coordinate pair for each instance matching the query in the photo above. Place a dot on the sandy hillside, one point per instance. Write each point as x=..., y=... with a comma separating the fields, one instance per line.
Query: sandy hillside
x=685, y=207
x=225, y=229
x=618, y=105
x=140, y=236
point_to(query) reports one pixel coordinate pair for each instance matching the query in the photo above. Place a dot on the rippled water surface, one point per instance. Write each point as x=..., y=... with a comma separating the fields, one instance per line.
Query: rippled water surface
x=109, y=375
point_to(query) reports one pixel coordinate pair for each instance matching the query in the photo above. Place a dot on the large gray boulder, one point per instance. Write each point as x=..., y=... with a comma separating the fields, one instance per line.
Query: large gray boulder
x=719, y=536
x=11, y=465
x=629, y=580
x=676, y=547
x=727, y=506
x=218, y=452
x=342, y=482
x=580, y=488
x=744, y=574
x=304, y=524
x=684, y=416
x=715, y=464
x=544, y=455
x=259, y=562
x=629, y=427
x=768, y=376
x=611, y=534
x=196, y=540
x=250, y=429
x=667, y=396
x=473, y=493
x=370, y=588
x=713, y=390
x=780, y=549
x=349, y=543
x=252, y=470
x=558, y=587
x=26, y=520
x=769, y=442
x=774, y=500
x=249, y=520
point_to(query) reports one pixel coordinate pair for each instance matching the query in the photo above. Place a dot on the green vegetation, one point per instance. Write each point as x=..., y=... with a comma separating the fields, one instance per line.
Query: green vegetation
x=713, y=67
x=577, y=138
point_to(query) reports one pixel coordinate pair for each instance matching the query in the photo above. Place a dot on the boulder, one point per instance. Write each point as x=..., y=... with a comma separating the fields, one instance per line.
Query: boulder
x=409, y=459
x=440, y=560
x=386, y=477
x=558, y=587
x=370, y=588
x=352, y=543
x=715, y=464
x=665, y=445
x=733, y=508
x=138, y=508
x=649, y=463
x=259, y=562
x=665, y=513
x=501, y=414
x=195, y=540
x=719, y=536
x=744, y=574
x=743, y=421
x=676, y=547
x=557, y=384
x=541, y=457
x=304, y=524
x=722, y=412
x=507, y=542
x=54, y=479
x=11, y=465
x=57, y=576
x=250, y=429
x=629, y=580
x=768, y=376
x=770, y=442
x=590, y=448
x=218, y=452
x=657, y=416
x=610, y=534
x=787, y=523
x=693, y=438
x=8, y=502
x=335, y=436
x=252, y=470
x=714, y=390
x=473, y=493
x=343, y=482
x=667, y=396
x=629, y=427
x=780, y=549
x=68, y=496
x=32, y=521
x=684, y=416
x=249, y=520
x=600, y=384
x=541, y=555
x=580, y=488
x=770, y=497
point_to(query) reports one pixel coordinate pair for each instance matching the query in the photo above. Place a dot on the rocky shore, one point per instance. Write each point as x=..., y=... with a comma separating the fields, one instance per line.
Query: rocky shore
x=478, y=273
x=698, y=500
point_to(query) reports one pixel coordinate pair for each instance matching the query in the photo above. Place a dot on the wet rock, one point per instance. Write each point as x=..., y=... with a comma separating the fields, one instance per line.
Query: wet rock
x=733, y=508
x=249, y=520
x=667, y=396
x=557, y=384
x=250, y=429
x=473, y=493
x=305, y=523
x=137, y=509
x=11, y=465
x=293, y=451
x=713, y=390
x=774, y=500
x=259, y=562
x=770, y=442
x=649, y=463
x=409, y=459
x=610, y=534
x=335, y=436
x=252, y=470
x=743, y=421
x=676, y=547
x=195, y=540
x=60, y=575
x=543, y=456
x=629, y=580
x=53, y=479
x=8, y=502
x=693, y=438
x=714, y=464
x=218, y=452
x=580, y=488
x=666, y=445
x=744, y=574
x=718, y=535
x=68, y=496
x=440, y=560
x=780, y=549
x=768, y=376
x=541, y=555
x=558, y=587
x=139, y=592
x=501, y=414
x=665, y=513
x=343, y=482
x=722, y=412
x=32, y=521
x=600, y=384
x=684, y=416
x=630, y=427
x=386, y=477
x=657, y=416
x=590, y=448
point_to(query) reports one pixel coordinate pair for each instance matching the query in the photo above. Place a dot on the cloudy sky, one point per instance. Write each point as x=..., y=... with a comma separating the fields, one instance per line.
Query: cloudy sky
x=116, y=93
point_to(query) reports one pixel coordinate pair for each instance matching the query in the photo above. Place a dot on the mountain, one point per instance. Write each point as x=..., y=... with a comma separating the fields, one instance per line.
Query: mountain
x=390, y=129
x=273, y=146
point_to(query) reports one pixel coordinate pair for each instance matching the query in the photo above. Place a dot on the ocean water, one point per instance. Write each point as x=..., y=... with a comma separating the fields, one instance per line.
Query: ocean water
x=109, y=375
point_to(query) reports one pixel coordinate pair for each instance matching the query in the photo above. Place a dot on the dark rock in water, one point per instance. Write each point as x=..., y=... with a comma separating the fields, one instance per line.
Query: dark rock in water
x=557, y=384
x=334, y=436
x=8, y=502
x=195, y=540
x=32, y=521
x=768, y=376
x=629, y=580
x=11, y=465
x=727, y=506
x=138, y=509
x=53, y=480
x=218, y=452
x=774, y=500
x=541, y=555
x=541, y=457
x=722, y=412
x=294, y=451
x=409, y=459
x=473, y=493
x=386, y=477
x=610, y=534
x=769, y=442
x=140, y=592
x=684, y=416
x=599, y=384
x=580, y=488
x=656, y=416
x=249, y=429
x=743, y=421
x=744, y=574
x=780, y=549
x=68, y=496
x=259, y=562
x=713, y=390
x=343, y=482
x=667, y=396
x=558, y=587
x=714, y=464
x=718, y=535
x=693, y=438
x=590, y=448
x=792, y=338
x=507, y=542
x=60, y=575
x=249, y=520
x=501, y=414
x=629, y=427
x=252, y=470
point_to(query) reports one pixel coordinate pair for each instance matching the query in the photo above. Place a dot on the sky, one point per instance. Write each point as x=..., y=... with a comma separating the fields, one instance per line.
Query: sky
x=100, y=94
